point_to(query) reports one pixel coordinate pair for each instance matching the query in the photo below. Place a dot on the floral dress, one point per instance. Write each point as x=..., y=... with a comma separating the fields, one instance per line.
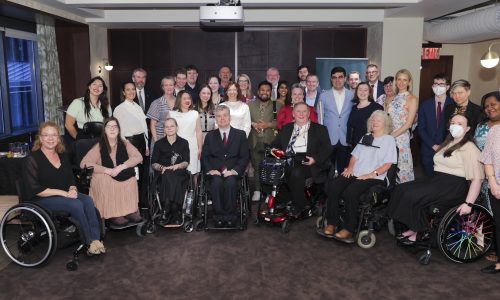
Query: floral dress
x=480, y=136
x=398, y=110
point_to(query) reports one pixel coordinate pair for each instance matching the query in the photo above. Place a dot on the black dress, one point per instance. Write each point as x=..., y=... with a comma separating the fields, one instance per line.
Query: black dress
x=173, y=183
x=356, y=125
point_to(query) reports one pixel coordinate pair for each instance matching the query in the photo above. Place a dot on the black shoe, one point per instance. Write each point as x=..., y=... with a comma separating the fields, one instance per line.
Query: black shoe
x=406, y=242
x=294, y=212
x=219, y=224
x=400, y=236
x=230, y=224
x=491, y=269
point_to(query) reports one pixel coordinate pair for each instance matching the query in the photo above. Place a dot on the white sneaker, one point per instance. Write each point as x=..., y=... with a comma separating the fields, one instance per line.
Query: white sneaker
x=256, y=196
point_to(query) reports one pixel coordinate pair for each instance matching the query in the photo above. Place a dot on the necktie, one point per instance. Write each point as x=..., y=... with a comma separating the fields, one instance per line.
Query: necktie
x=274, y=95
x=438, y=114
x=224, y=139
x=141, y=102
x=289, y=148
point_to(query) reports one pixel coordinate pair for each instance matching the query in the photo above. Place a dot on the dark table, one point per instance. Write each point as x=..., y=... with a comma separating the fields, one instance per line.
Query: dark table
x=10, y=171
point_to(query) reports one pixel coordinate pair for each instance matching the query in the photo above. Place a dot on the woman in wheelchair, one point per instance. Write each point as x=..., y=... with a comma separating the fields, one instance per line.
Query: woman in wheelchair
x=371, y=159
x=171, y=158
x=456, y=163
x=48, y=181
x=114, y=186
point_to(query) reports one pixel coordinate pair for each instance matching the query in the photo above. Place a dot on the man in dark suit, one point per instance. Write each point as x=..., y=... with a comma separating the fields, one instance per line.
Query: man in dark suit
x=312, y=90
x=373, y=78
x=431, y=121
x=310, y=144
x=460, y=92
x=192, y=86
x=139, y=77
x=225, y=157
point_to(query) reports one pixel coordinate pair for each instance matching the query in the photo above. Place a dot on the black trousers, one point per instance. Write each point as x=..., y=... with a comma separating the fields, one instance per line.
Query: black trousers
x=296, y=176
x=139, y=142
x=350, y=189
x=340, y=157
x=224, y=191
x=495, y=207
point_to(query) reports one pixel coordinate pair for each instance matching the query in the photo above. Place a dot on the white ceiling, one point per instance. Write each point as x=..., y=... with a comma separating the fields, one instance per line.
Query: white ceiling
x=320, y=13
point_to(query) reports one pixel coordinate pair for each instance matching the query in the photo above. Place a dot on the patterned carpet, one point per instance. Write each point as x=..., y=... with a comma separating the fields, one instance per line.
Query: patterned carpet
x=259, y=263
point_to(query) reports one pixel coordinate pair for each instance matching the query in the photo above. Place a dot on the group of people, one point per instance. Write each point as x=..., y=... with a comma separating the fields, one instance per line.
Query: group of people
x=357, y=128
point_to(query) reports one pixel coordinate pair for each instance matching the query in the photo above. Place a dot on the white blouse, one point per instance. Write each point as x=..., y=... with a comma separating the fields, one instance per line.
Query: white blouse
x=240, y=115
x=132, y=119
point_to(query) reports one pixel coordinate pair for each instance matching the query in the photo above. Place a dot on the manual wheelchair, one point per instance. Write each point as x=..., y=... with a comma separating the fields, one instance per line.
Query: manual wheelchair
x=156, y=212
x=461, y=239
x=30, y=234
x=203, y=220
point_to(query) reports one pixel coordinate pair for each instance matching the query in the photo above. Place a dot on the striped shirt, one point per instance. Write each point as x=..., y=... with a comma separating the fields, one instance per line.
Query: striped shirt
x=158, y=111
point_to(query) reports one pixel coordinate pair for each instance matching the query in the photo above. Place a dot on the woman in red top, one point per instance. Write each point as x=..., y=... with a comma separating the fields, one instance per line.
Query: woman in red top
x=285, y=114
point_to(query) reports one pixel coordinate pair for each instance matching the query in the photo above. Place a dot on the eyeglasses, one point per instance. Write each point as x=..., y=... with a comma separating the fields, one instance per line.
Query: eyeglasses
x=112, y=126
x=439, y=84
x=49, y=135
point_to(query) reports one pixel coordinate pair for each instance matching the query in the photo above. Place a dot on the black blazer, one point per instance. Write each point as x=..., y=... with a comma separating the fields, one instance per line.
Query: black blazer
x=235, y=156
x=473, y=112
x=147, y=102
x=318, y=147
x=380, y=89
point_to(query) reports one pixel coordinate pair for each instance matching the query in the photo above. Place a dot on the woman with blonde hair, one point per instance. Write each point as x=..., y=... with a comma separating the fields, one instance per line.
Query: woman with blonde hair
x=403, y=111
x=246, y=88
x=48, y=181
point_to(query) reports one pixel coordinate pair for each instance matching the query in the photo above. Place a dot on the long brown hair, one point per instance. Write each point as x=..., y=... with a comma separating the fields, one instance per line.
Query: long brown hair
x=468, y=137
x=38, y=144
x=103, y=141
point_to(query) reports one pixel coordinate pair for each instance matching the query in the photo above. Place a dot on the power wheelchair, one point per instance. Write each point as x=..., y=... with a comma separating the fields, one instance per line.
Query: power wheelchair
x=203, y=220
x=273, y=207
x=372, y=211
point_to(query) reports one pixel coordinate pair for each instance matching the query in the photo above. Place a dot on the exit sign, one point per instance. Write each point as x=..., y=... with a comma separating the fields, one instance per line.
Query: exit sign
x=430, y=53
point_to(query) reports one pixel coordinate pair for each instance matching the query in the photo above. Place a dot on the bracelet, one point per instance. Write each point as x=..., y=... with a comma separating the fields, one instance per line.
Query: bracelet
x=468, y=204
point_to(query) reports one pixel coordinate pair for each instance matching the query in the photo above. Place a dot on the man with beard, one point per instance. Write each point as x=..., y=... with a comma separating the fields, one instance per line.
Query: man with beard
x=302, y=73
x=263, y=113
x=139, y=76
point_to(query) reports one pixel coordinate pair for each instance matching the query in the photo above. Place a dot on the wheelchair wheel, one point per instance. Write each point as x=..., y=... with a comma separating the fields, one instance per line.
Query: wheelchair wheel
x=199, y=225
x=188, y=227
x=141, y=229
x=466, y=238
x=321, y=222
x=285, y=226
x=366, y=239
x=28, y=235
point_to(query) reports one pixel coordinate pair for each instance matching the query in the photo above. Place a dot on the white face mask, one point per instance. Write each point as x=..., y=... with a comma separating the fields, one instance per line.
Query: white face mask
x=439, y=90
x=456, y=131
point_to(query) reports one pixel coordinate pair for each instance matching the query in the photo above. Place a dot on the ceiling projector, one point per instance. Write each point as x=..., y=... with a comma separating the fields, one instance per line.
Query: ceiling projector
x=221, y=16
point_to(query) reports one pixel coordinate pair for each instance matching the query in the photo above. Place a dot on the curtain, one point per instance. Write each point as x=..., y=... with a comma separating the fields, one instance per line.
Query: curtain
x=49, y=69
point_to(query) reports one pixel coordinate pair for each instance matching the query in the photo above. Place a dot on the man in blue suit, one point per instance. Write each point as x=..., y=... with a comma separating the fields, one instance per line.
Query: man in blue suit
x=334, y=108
x=432, y=123
x=373, y=78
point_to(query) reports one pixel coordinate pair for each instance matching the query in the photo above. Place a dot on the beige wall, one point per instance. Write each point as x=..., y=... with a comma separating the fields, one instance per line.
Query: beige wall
x=374, y=43
x=98, y=39
x=466, y=65
x=402, y=47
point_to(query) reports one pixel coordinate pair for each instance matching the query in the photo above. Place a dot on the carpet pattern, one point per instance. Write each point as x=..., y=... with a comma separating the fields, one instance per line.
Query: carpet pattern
x=260, y=262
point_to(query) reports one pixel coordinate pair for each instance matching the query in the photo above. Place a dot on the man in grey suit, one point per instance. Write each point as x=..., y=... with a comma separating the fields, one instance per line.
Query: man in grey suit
x=334, y=108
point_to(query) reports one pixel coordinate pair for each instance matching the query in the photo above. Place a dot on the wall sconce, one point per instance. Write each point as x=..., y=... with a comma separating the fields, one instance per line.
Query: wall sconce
x=490, y=59
x=107, y=66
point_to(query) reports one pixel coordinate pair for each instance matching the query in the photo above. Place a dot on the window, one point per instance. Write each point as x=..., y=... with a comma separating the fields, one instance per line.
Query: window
x=21, y=104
